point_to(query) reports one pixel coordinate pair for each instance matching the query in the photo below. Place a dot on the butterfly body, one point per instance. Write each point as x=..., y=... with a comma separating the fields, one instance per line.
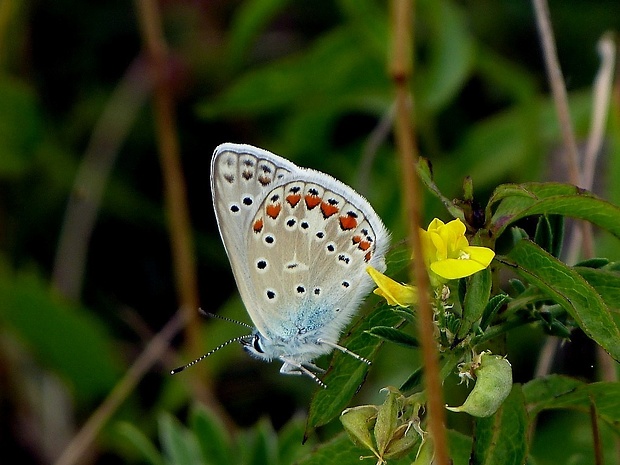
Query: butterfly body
x=299, y=242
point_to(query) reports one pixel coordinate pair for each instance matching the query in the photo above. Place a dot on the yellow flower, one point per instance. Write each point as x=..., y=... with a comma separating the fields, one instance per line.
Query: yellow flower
x=447, y=252
x=395, y=293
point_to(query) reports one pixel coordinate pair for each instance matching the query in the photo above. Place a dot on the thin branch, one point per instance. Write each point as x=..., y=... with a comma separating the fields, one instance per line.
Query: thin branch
x=401, y=70
x=92, y=177
x=602, y=87
x=558, y=88
x=84, y=439
x=170, y=159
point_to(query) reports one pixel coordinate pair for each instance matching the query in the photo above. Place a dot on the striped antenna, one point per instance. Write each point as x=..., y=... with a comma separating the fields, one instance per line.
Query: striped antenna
x=181, y=368
x=213, y=315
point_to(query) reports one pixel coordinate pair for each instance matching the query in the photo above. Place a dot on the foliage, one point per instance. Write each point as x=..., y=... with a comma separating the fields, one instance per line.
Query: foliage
x=309, y=81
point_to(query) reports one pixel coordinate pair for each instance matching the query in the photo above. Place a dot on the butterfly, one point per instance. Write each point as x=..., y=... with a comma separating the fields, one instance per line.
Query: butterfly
x=299, y=242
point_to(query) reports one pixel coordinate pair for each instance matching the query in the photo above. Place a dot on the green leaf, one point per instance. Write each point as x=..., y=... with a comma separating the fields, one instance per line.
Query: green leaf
x=520, y=201
x=425, y=173
x=502, y=438
x=597, y=262
x=179, y=445
x=542, y=390
x=476, y=299
x=212, y=437
x=492, y=308
x=562, y=392
x=140, y=442
x=67, y=338
x=264, y=447
x=550, y=233
x=606, y=283
x=340, y=450
x=346, y=373
x=370, y=21
x=450, y=54
x=290, y=446
x=21, y=126
x=249, y=20
x=355, y=81
x=395, y=336
x=566, y=287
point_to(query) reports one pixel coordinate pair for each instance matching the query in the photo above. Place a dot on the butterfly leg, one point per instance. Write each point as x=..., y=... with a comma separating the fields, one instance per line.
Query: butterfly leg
x=344, y=350
x=291, y=367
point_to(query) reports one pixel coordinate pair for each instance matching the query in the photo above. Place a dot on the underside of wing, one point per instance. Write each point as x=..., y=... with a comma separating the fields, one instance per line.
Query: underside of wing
x=241, y=175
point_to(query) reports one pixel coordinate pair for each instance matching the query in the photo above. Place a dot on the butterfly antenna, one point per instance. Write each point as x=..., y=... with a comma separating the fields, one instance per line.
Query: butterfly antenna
x=211, y=352
x=213, y=315
x=344, y=350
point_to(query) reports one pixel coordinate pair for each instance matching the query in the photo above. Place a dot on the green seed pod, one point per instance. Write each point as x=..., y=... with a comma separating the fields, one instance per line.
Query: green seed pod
x=493, y=384
x=358, y=422
x=426, y=452
x=404, y=439
x=387, y=420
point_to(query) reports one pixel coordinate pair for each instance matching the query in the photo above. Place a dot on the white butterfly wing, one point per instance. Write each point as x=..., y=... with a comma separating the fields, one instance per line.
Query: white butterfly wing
x=300, y=242
x=241, y=175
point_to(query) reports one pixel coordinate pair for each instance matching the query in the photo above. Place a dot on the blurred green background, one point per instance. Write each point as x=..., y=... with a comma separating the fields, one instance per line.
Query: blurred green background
x=306, y=80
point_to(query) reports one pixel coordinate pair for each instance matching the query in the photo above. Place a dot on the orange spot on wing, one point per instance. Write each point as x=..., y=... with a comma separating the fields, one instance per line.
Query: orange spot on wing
x=364, y=245
x=367, y=257
x=293, y=199
x=312, y=201
x=328, y=209
x=357, y=239
x=273, y=210
x=348, y=222
x=258, y=225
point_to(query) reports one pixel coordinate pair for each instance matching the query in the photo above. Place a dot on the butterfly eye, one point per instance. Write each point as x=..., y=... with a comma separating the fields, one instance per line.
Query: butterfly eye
x=256, y=345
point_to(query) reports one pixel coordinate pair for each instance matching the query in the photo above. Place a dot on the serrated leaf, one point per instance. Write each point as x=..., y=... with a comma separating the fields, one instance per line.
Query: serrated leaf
x=476, y=299
x=541, y=390
x=562, y=392
x=502, y=438
x=566, y=287
x=606, y=283
x=346, y=373
x=516, y=202
x=395, y=336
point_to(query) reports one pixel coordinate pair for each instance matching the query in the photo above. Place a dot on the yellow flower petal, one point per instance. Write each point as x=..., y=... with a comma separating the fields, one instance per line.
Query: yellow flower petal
x=447, y=252
x=393, y=292
x=482, y=255
x=453, y=268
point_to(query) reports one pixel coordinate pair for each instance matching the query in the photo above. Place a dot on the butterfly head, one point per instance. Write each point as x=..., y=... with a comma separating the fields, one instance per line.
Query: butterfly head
x=257, y=346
